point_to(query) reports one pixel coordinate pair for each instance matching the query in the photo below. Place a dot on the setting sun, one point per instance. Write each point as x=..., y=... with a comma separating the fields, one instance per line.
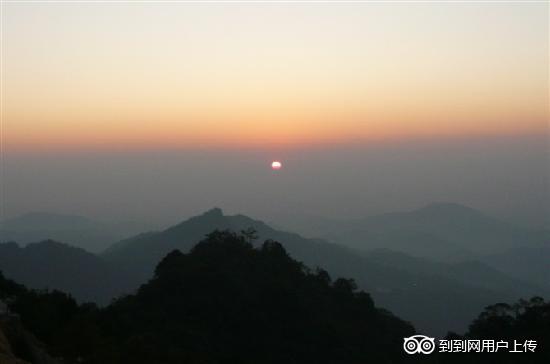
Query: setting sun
x=276, y=165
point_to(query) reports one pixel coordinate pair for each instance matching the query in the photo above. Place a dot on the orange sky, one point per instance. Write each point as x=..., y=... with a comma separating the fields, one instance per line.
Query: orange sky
x=84, y=76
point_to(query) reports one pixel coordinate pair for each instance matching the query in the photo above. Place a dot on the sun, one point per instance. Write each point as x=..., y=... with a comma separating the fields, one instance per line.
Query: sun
x=276, y=165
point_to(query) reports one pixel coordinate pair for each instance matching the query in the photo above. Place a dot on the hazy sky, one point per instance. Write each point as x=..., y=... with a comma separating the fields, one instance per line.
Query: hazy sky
x=90, y=75
x=133, y=109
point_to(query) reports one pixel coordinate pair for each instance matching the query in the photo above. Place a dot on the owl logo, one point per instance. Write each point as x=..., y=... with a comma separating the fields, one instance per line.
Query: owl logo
x=419, y=344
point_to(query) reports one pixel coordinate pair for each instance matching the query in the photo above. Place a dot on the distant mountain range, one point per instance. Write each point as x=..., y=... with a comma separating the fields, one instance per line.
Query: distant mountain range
x=417, y=278
x=443, y=231
x=78, y=231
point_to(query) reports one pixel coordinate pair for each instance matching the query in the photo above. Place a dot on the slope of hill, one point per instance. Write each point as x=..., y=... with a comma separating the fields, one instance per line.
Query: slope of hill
x=19, y=346
x=6, y=353
x=473, y=273
x=422, y=297
x=74, y=230
x=53, y=265
x=530, y=263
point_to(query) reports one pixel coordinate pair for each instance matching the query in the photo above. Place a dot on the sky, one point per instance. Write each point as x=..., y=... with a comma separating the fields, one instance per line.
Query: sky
x=166, y=108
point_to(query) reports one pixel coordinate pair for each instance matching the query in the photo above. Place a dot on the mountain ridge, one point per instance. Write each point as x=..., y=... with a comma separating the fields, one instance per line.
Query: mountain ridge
x=390, y=285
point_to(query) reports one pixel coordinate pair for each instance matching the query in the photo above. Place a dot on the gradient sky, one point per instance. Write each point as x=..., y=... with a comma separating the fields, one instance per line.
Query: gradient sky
x=161, y=111
x=94, y=76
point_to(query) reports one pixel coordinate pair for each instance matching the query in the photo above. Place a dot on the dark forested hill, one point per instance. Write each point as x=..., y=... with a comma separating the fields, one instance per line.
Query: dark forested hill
x=524, y=326
x=226, y=302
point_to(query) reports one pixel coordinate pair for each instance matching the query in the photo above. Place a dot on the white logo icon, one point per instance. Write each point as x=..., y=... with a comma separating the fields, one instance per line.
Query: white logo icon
x=419, y=344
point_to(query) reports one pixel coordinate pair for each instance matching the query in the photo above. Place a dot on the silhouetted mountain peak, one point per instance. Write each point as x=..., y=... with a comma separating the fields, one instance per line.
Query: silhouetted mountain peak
x=211, y=216
x=215, y=212
x=214, y=219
